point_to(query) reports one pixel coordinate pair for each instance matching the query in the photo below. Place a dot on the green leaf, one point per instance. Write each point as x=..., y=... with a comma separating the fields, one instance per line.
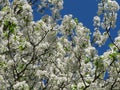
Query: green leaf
x=15, y=38
x=99, y=63
x=26, y=20
x=113, y=56
x=20, y=6
x=82, y=88
x=88, y=81
x=21, y=47
x=66, y=49
x=36, y=28
x=20, y=66
x=12, y=27
x=74, y=87
x=5, y=34
x=83, y=45
x=9, y=25
x=5, y=8
x=3, y=64
x=87, y=60
x=76, y=20
x=88, y=37
x=111, y=45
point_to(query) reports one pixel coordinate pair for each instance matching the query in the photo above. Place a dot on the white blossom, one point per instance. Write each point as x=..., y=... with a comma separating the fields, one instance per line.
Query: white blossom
x=113, y=5
x=21, y=85
x=96, y=21
x=91, y=51
x=32, y=56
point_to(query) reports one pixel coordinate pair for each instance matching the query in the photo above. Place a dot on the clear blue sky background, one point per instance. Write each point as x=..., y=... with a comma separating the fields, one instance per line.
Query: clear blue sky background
x=85, y=10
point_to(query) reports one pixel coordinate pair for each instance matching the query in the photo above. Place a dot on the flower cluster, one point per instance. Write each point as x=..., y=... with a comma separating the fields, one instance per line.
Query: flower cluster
x=108, y=8
x=54, y=5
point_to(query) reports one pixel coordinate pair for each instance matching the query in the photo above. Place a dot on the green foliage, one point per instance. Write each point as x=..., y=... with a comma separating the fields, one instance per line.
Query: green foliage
x=9, y=26
x=76, y=20
x=2, y=64
x=36, y=28
x=26, y=19
x=113, y=56
x=20, y=6
x=99, y=63
x=82, y=88
x=20, y=66
x=87, y=60
x=88, y=81
x=111, y=45
x=66, y=49
x=21, y=47
x=74, y=87
x=12, y=27
x=5, y=34
x=5, y=8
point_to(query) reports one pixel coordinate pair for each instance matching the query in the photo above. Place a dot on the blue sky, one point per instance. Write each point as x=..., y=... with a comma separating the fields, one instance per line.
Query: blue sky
x=85, y=10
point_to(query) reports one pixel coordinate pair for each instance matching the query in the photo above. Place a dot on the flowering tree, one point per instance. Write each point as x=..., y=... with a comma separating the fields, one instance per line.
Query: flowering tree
x=34, y=57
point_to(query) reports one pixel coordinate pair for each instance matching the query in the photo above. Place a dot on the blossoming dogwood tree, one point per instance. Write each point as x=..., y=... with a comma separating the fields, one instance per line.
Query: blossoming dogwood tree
x=34, y=57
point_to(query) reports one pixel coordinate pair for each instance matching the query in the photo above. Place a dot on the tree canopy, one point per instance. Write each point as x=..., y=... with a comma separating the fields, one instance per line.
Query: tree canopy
x=47, y=55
